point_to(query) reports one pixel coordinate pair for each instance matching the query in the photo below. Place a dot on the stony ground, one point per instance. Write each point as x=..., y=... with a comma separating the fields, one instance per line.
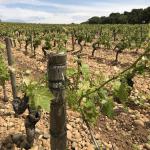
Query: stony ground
x=128, y=130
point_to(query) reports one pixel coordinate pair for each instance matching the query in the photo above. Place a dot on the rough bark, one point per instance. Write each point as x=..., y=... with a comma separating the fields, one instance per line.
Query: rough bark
x=10, y=63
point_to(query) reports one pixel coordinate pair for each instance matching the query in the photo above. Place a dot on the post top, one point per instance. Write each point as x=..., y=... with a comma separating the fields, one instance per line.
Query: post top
x=57, y=58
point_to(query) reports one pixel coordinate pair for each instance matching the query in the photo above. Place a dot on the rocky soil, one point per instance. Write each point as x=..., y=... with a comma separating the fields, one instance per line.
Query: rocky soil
x=128, y=130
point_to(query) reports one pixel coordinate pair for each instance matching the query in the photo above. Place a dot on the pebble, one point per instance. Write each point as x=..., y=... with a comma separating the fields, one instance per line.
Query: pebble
x=108, y=127
x=90, y=147
x=140, y=147
x=133, y=116
x=69, y=135
x=78, y=120
x=83, y=143
x=148, y=137
x=97, y=136
x=147, y=146
x=74, y=114
x=69, y=127
x=139, y=123
x=74, y=145
x=108, y=145
x=42, y=68
x=144, y=118
x=116, y=68
x=130, y=111
x=147, y=104
x=45, y=143
x=115, y=147
x=84, y=127
x=77, y=135
x=46, y=135
x=11, y=124
x=2, y=110
x=35, y=148
x=114, y=121
x=37, y=130
x=28, y=72
x=40, y=137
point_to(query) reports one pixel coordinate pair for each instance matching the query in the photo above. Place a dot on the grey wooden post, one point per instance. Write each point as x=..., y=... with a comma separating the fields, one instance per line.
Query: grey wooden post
x=10, y=63
x=56, y=78
x=73, y=42
x=31, y=43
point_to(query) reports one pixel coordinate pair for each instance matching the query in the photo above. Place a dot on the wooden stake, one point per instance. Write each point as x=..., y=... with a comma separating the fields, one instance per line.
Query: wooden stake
x=56, y=78
x=10, y=63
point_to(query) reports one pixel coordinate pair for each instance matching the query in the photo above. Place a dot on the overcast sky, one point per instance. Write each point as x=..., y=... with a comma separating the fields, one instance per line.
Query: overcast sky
x=63, y=11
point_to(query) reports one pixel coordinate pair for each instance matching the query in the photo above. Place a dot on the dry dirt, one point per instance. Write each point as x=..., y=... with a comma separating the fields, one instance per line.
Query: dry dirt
x=128, y=130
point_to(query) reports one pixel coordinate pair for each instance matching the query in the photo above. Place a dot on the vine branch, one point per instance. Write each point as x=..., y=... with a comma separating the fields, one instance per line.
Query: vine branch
x=87, y=93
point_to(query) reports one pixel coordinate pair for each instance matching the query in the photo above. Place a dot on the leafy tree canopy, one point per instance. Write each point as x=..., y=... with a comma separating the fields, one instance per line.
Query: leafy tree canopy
x=136, y=16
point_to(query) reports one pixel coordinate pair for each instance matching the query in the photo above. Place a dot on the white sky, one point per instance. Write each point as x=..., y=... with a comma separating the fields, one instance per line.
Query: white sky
x=46, y=11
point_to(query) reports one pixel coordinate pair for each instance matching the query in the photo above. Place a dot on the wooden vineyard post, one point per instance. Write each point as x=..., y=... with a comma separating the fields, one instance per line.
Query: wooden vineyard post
x=10, y=63
x=31, y=42
x=73, y=42
x=56, y=78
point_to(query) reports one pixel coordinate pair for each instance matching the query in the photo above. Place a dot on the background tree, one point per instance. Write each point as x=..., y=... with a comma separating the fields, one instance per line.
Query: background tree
x=94, y=20
x=114, y=18
x=136, y=16
x=146, y=15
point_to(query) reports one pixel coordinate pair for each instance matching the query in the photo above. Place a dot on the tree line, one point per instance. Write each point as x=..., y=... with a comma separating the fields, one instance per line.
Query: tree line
x=136, y=16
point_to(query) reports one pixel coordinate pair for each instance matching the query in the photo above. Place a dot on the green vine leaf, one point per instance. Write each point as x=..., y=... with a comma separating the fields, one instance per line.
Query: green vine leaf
x=70, y=72
x=38, y=93
x=107, y=107
x=89, y=110
x=85, y=71
x=122, y=91
x=4, y=75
